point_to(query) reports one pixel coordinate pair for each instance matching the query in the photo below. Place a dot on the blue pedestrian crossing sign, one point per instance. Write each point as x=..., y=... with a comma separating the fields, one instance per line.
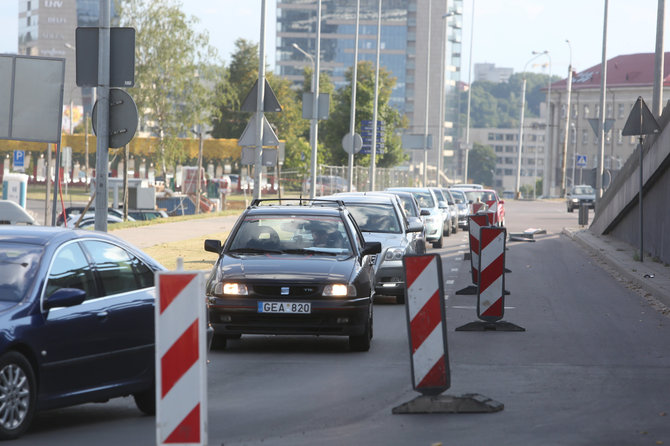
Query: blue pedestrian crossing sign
x=19, y=156
x=581, y=160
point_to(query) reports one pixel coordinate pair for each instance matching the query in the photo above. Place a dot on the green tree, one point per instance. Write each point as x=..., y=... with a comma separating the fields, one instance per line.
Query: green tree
x=338, y=124
x=172, y=78
x=481, y=164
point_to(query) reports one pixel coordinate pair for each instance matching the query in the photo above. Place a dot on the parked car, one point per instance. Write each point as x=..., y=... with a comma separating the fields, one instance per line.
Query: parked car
x=295, y=270
x=463, y=207
x=434, y=222
x=466, y=186
x=581, y=194
x=453, y=208
x=77, y=322
x=381, y=219
x=413, y=213
x=325, y=185
x=487, y=200
x=445, y=209
x=87, y=221
x=146, y=214
x=12, y=213
x=77, y=210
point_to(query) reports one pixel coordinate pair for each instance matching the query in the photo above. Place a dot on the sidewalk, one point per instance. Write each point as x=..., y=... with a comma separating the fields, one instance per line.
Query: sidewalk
x=651, y=276
x=147, y=236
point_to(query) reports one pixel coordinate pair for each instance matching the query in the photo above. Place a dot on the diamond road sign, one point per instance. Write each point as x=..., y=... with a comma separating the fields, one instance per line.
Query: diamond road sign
x=581, y=160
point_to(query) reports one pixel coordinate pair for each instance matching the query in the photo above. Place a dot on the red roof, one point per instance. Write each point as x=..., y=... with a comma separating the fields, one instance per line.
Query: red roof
x=631, y=70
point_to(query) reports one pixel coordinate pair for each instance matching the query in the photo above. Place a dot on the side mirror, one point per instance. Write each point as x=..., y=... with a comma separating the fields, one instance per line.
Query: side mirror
x=372, y=248
x=65, y=297
x=501, y=201
x=415, y=225
x=213, y=246
x=442, y=204
x=459, y=201
x=424, y=212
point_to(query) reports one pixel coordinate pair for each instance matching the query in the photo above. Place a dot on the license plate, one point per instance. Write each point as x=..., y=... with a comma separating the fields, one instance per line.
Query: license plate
x=285, y=307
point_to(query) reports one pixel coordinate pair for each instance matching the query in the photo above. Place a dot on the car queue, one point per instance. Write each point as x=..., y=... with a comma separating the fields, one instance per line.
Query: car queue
x=301, y=267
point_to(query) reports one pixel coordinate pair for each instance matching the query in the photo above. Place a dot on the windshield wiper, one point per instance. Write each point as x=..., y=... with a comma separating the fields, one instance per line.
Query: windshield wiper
x=309, y=251
x=254, y=251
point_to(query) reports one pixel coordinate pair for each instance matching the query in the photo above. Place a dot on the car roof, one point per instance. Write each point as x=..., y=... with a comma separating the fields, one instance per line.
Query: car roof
x=374, y=197
x=321, y=210
x=43, y=235
x=14, y=213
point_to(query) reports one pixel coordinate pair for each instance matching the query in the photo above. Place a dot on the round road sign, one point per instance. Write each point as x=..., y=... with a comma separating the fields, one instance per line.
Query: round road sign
x=122, y=118
x=352, y=143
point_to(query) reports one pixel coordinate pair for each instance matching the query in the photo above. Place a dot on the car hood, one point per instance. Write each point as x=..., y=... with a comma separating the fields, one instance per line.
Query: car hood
x=583, y=197
x=287, y=267
x=387, y=240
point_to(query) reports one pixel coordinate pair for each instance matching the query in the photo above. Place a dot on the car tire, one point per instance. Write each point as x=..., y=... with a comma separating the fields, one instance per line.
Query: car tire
x=219, y=342
x=570, y=209
x=18, y=393
x=439, y=243
x=454, y=228
x=400, y=300
x=146, y=401
x=361, y=343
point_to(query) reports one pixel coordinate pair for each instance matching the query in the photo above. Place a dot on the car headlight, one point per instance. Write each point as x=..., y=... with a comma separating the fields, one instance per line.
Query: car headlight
x=575, y=200
x=430, y=220
x=230, y=288
x=394, y=254
x=339, y=290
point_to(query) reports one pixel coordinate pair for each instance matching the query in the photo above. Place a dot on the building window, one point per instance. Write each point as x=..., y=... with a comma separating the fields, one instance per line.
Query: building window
x=498, y=149
x=510, y=137
x=510, y=149
x=586, y=111
x=563, y=110
x=575, y=110
x=621, y=111
x=598, y=111
x=499, y=136
x=585, y=136
x=491, y=136
x=608, y=136
x=509, y=172
x=610, y=110
x=619, y=136
x=510, y=160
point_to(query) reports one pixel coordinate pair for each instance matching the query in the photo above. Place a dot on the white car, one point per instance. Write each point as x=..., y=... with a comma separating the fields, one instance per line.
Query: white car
x=434, y=222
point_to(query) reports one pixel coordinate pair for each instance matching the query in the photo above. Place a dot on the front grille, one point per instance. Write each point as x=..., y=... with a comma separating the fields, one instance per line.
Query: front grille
x=286, y=290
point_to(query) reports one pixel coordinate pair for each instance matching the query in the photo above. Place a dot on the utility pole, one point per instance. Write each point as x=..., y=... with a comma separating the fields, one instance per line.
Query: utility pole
x=102, y=148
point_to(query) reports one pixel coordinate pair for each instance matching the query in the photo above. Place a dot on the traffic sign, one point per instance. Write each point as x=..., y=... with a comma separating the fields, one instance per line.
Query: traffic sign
x=581, y=160
x=122, y=118
x=352, y=143
x=121, y=56
x=19, y=156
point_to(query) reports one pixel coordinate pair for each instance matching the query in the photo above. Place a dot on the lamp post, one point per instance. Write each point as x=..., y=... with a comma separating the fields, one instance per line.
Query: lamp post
x=352, y=115
x=546, y=137
x=313, y=128
x=440, y=143
x=425, y=128
x=467, y=119
x=601, y=130
x=523, y=104
x=567, y=124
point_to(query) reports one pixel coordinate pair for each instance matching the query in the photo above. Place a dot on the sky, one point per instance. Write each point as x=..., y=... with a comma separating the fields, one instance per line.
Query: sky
x=505, y=32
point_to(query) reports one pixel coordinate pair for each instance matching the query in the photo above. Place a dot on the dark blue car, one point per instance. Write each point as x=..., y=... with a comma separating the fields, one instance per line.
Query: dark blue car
x=76, y=322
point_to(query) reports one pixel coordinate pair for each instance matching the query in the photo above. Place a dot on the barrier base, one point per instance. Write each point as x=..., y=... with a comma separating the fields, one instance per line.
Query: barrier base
x=490, y=326
x=471, y=289
x=521, y=237
x=467, y=256
x=468, y=403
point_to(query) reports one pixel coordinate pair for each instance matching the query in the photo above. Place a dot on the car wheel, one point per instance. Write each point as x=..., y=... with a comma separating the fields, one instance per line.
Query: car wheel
x=400, y=299
x=17, y=395
x=439, y=243
x=361, y=343
x=570, y=209
x=219, y=342
x=146, y=401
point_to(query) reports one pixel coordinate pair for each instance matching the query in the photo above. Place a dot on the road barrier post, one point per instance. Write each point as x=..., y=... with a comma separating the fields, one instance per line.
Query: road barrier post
x=181, y=380
x=475, y=222
x=427, y=333
x=491, y=284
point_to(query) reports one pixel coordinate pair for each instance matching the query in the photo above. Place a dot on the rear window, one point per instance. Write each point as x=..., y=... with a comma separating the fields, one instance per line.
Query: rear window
x=375, y=217
x=18, y=267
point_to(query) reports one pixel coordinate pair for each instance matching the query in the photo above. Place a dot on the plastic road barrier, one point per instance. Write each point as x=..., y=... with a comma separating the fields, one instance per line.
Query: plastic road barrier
x=181, y=380
x=491, y=285
x=427, y=324
x=476, y=222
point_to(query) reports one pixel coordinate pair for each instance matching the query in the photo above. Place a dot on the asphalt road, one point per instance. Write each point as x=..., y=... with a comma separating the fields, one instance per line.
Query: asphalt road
x=591, y=368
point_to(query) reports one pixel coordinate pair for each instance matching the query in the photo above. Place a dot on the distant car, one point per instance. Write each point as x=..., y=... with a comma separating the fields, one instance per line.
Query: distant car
x=77, y=318
x=453, y=207
x=508, y=194
x=325, y=185
x=581, y=194
x=12, y=213
x=466, y=186
x=77, y=210
x=381, y=219
x=293, y=270
x=463, y=207
x=445, y=208
x=413, y=212
x=87, y=221
x=434, y=221
x=487, y=200
x=147, y=214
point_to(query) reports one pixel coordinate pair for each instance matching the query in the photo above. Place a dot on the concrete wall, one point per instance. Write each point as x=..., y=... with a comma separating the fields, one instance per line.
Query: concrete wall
x=617, y=211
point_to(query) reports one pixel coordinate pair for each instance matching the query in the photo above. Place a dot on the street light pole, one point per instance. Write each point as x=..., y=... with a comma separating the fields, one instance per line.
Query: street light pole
x=352, y=116
x=567, y=124
x=314, y=128
x=425, y=128
x=601, y=130
x=523, y=105
x=546, y=137
x=440, y=142
x=373, y=154
x=467, y=119
x=313, y=121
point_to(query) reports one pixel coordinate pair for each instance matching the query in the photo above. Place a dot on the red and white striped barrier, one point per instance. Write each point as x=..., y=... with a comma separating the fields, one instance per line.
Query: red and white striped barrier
x=491, y=285
x=427, y=324
x=492, y=210
x=181, y=380
x=476, y=222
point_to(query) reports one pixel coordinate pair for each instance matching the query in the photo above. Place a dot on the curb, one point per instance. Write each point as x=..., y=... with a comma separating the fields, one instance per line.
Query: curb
x=629, y=269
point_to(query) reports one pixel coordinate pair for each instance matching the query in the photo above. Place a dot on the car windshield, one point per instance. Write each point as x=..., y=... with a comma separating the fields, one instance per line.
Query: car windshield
x=375, y=217
x=407, y=204
x=480, y=195
x=425, y=199
x=291, y=234
x=458, y=195
x=18, y=266
x=583, y=190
